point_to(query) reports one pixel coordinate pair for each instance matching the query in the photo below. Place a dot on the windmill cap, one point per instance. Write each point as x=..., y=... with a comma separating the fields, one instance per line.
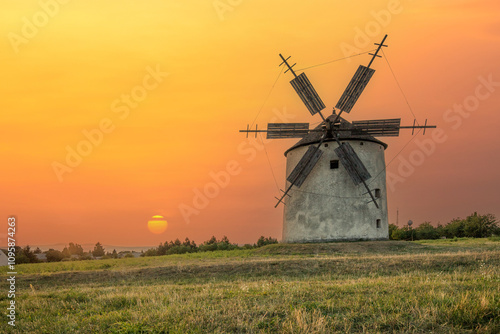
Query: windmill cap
x=314, y=137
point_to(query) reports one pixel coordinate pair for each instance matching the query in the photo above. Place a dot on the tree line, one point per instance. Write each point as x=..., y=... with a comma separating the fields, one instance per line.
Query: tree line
x=473, y=226
x=213, y=244
x=75, y=252
x=72, y=252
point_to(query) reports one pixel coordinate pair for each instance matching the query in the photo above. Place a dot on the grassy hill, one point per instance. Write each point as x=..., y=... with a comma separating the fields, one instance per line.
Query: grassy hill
x=440, y=286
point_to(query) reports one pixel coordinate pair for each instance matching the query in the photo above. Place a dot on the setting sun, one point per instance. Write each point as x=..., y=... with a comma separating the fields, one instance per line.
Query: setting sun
x=157, y=225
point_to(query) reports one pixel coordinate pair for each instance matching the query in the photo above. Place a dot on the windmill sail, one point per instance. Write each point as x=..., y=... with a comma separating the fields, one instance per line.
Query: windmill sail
x=305, y=166
x=287, y=130
x=355, y=88
x=353, y=165
x=378, y=127
x=307, y=94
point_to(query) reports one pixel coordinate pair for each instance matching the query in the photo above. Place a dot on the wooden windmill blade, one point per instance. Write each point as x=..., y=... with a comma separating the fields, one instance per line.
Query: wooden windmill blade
x=355, y=88
x=305, y=166
x=353, y=165
x=307, y=94
x=287, y=130
x=302, y=169
x=378, y=127
x=305, y=90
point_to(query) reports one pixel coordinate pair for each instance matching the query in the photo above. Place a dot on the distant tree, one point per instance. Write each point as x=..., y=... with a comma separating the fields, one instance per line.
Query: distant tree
x=37, y=251
x=75, y=249
x=262, y=241
x=187, y=242
x=211, y=241
x=54, y=255
x=480, y=226
x=455, y=228
x=21, y=255
x=98, y=250
x=32, y=258
x=426, y=231
x=65, y=252
x=114, y=254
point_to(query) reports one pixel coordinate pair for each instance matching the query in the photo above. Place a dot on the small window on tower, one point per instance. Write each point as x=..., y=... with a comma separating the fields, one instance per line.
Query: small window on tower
x=377, y=193
x=378, y=223
x=334, y=164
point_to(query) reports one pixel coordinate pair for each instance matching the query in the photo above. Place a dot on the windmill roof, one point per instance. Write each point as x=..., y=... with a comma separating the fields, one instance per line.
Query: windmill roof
x=314, y=137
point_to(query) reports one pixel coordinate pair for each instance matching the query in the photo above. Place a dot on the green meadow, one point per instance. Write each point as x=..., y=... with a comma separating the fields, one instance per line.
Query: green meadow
x=438, y=286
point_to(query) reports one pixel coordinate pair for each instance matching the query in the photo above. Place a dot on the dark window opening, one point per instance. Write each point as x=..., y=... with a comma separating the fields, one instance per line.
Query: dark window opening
x=378, y=223
x=361, y=143
x=326, y=145
x=377, y=193
x=334, y=164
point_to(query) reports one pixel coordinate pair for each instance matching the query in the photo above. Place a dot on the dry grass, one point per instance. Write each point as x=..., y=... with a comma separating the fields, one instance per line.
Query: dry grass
x=329, y=288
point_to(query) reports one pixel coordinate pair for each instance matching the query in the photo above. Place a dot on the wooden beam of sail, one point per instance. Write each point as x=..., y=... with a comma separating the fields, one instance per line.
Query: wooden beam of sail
x=287, y=130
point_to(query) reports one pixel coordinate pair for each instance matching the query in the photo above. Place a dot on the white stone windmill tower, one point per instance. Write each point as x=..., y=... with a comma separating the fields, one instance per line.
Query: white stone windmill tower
x=336, y=183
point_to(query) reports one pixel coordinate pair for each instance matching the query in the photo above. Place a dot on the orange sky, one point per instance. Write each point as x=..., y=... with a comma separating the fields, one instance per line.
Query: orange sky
x=69, y=67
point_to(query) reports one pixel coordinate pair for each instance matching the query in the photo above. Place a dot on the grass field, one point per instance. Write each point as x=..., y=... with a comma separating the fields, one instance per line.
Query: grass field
x=441, y=286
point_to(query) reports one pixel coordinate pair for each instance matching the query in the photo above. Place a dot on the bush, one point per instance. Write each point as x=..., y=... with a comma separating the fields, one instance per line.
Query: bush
x=392, y=228
x=403, y=233
x=86, y=256
x=54, y=255
x=151, y=252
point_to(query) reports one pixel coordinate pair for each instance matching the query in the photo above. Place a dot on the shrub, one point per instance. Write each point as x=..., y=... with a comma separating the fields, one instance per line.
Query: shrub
x=403, y=233
x=392, y=228
x=426, y=231
x=54, y=255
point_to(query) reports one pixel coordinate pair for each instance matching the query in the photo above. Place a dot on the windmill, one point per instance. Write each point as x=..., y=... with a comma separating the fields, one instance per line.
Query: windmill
x=326, y=203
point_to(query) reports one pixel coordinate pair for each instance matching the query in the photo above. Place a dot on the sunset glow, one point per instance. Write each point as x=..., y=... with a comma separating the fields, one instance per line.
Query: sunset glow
x=113, y=111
